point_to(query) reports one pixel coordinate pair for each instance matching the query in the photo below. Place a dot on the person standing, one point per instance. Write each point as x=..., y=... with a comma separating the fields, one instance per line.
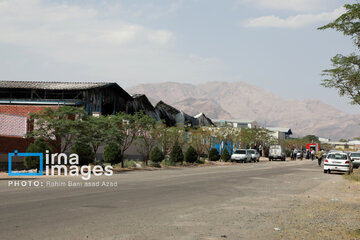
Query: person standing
x=312, y=154
x=320, y=156
x=260, y=150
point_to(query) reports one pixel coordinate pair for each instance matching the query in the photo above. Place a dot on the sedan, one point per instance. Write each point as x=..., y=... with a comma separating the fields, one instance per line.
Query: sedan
x=255, y=155
x=241, y=155
x=338, y=162
x=355, y=158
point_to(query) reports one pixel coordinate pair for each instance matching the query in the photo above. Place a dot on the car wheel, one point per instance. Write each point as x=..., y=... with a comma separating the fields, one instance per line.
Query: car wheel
x=258, y=160
x=329, y=171
x=325, y=171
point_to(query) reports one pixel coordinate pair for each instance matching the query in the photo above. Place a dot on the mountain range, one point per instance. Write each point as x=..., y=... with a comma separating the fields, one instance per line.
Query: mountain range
x=238, y=100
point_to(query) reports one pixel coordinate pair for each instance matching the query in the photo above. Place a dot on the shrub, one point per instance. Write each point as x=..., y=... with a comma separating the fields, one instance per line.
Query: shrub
x=112, y=153
x=200, y=161
x=155, y=164
x=214, y=155
x=191, y=155
x=225, y=156
x=176, y=154
x=85, y=153
x=156, y=155
x=129, y=164
x=167, y=162
x=39, y=146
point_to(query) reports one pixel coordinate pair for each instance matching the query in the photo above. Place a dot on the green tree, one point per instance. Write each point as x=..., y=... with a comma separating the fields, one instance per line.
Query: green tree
x=345, y=74
x=225, y=156
x=214, y=154
x=39, y=146
x=112, y=153
x=85, y=153
x=198, y=139
x=156, y=155
x=95, y=131
x=191, y=155
x=124, y=129
x=57, y=126
x=176, y=154
x=311, y=139
x=148, y=135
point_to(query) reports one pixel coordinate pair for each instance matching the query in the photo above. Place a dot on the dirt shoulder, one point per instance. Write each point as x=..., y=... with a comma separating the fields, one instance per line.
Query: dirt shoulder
x=328, y=211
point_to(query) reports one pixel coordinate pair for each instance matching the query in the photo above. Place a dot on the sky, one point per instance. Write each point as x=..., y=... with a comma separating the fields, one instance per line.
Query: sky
x=273, y=44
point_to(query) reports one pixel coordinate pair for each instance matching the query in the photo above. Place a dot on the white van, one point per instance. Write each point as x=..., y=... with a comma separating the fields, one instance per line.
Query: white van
x=277, y=152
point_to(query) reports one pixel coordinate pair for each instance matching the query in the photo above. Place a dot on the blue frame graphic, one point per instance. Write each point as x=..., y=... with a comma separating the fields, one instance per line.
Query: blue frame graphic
x=40, y=155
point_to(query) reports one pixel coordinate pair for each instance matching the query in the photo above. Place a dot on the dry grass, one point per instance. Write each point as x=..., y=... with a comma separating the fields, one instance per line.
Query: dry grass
x=355, y=176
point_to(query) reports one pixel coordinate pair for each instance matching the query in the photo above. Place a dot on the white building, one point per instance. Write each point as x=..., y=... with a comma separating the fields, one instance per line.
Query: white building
x=280, y=133
x=236, y=123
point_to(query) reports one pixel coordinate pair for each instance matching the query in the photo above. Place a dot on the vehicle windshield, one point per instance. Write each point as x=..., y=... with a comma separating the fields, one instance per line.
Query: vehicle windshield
x=355, y=155
x=337, y=156
x=275, y=147
x=240, y=152
x=252, y=151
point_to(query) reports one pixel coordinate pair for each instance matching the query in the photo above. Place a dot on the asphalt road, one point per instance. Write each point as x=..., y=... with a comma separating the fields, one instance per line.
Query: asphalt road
x=228, y=202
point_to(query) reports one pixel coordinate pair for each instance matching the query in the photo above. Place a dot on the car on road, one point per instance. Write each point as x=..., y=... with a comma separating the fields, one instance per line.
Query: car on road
x=241, y=155
x=355, y=158
x=299, y=154
x=338, y=161
x=277, y=152
x=255, y=155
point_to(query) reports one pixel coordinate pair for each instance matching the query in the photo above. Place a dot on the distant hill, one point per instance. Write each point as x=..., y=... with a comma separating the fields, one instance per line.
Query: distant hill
x=239, y=100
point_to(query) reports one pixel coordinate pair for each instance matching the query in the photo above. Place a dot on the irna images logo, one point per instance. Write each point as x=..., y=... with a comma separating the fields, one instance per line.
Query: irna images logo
x=56, y=164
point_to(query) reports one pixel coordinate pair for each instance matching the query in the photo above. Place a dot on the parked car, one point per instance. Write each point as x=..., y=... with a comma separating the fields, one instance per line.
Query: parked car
x=255, y=155
x=338, y=161
x=299, y=154
x=241, y=155
x=277, y=152
x=355, y=158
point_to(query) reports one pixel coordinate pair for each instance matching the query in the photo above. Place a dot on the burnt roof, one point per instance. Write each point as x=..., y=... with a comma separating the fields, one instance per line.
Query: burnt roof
x=54, y=85
x=167, y=107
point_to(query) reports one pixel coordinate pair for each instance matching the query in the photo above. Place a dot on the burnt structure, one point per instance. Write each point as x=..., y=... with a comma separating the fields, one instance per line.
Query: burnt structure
x=104, y=98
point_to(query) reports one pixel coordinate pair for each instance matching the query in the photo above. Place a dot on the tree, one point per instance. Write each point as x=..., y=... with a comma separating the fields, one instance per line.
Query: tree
x=225, y=156
x=39, y=146
x=148, y=135
x=176, y=154
x=112, y=153
x=311, y=139
x=214, y=155
x=156, y=155
x=95, y=131
x=85, y=153
x=198, y=139
x=209, y=139
x=57, y=126
x=124, y=129
x=191, y=155
x=345, y=74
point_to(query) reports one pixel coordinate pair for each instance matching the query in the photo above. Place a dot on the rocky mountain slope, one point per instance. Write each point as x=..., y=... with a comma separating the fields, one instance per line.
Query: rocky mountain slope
x=239, y=100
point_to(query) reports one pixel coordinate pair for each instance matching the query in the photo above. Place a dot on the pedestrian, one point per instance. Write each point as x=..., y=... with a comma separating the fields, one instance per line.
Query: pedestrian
x=260, y=150
x=312, y=155
x=294, y=154
x=320, y=156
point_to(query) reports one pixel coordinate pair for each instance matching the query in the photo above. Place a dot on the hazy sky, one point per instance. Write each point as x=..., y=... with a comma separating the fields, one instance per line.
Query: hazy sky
x=273, y=44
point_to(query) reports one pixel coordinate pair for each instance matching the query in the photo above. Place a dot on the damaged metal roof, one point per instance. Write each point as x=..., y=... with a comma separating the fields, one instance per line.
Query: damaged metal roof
x=54, y=85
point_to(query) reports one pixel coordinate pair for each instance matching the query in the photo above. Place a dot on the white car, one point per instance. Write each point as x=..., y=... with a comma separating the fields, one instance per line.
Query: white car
x=355, y=158
x=255, y=155
x=338, y=161
x=241, y=155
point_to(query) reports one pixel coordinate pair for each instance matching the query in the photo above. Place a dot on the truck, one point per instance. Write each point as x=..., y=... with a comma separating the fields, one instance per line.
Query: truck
x=313, y=146
x=277, y=152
